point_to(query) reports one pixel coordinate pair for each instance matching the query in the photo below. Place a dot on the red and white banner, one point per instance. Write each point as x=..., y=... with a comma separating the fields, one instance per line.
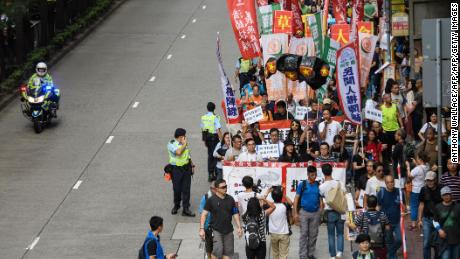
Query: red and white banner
x=262, y=2
x=288, y=175
x=367, y=44
x=357, y=15
x=244, y=22
x=341, y=33
x=231, y=109
x=347, y=75
x=283, y=127
x=274, y=45
x=339, y=8
x=297, y=24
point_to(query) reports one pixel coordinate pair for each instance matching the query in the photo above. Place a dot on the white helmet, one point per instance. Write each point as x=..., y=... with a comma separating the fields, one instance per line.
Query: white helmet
x=41, y=69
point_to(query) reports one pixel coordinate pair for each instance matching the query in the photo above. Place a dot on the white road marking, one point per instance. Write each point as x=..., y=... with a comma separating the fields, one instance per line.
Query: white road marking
x=152, y=79
x=194, y=21
x=204, y=7
x=75, y=187
x=135, y=105
x=183, y=36
x=109, y=140
x=169, y=56
x=34, y=243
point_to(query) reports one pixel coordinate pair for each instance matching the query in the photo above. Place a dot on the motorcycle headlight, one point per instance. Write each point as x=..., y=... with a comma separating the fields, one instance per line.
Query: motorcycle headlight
x=40, y=99
x=30, y=99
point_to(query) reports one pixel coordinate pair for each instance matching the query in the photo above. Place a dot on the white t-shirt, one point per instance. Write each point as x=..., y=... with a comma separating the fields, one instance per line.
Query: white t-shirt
x=435, y=126
x=418, y=174
x=277, y=223
x=248, y=157
x=325, y=187
x=243, y=198
x=374, y=185
x=333, y=129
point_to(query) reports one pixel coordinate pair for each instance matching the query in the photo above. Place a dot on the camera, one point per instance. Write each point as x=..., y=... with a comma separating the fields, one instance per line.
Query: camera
x=257, y=188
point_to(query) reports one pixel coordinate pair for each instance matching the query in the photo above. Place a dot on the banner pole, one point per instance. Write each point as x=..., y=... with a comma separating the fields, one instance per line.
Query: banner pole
x=308, y=105
x=401, y=222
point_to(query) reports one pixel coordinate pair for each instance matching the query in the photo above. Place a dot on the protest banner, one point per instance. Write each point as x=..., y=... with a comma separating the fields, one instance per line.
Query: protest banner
x=339, y=9
x=300, y=112
x=341, y=33
x=231, y=109
x=373, y=114
x=274, y=45
x=306, y=26
x=389, y=72
x=357, y=16
x=297, y=24
x=314, y=21
x=254, y=115
x=265, y=18
x=330, y=54
x=282, y=22
x=307, y=123
x=302, y=46
x=347, y=75
x=244, y=23
x=283, y=126
x=262, y=2
x=366, y=27
x=400, y=24
x=267, y=151
x=367, y=44
x=288, y=175
x=325, y=17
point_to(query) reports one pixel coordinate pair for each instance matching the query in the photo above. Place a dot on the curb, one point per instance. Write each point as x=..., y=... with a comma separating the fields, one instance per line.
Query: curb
x=8, y=98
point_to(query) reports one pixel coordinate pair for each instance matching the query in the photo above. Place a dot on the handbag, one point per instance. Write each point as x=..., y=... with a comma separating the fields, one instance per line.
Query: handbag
x=435, y=240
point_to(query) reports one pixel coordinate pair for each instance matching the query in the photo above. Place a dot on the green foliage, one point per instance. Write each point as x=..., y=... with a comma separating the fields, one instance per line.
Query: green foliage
x=57, y=42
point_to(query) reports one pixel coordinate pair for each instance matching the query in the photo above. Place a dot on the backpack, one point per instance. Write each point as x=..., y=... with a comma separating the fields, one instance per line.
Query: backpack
x=375, y=229
x=252, y=233
x=336, y=199
x=143, y=253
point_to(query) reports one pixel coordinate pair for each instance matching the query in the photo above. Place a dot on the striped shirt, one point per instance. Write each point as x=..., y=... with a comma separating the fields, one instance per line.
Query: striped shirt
x=362, y=220
x=453, y=181
x=261, y=222
x=329, y=159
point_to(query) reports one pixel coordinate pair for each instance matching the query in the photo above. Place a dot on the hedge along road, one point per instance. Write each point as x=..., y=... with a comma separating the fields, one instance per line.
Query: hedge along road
x=86, y=186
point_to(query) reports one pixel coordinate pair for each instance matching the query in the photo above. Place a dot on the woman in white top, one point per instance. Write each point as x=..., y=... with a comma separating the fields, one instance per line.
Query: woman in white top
x=432, y=123
x=219, y=153
x=417, y=176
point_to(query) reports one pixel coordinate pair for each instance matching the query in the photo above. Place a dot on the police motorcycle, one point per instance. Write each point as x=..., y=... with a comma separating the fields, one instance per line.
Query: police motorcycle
x=32, y=107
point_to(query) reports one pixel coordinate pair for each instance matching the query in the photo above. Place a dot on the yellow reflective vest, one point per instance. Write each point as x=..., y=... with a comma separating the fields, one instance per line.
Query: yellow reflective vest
x=179, y=160
x=208, y=123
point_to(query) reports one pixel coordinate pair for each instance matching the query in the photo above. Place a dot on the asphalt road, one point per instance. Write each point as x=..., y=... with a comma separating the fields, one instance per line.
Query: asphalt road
x=120, y=184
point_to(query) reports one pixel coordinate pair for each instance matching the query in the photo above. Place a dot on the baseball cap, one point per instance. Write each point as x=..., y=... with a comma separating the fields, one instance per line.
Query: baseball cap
x=446, y=190
x=430, y=175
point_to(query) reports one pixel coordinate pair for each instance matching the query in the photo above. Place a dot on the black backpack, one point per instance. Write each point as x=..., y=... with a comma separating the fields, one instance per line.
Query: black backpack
x=143, y=249
x=376, y=229
x=252, y=233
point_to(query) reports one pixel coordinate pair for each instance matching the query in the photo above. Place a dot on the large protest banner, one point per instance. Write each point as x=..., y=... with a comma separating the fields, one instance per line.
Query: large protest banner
x=314, y=21
x=231, y=109
x=357, y=15
x=288, y=175
x=347, y=75
x=367, y=44
x=274, y=45
x=301, y=47
x=341, y=33
x=339, y=9
x=244, y=22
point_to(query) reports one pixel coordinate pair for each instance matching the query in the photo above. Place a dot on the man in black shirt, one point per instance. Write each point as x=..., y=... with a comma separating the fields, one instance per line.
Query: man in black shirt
x=222, y=208
x=282, y=113
x=430, y=195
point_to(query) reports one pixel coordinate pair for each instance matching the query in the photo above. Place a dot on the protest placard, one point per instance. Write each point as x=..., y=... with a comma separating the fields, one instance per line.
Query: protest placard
x=373, y=114
x=268, y=151
x=300, y=112
x=254, y=115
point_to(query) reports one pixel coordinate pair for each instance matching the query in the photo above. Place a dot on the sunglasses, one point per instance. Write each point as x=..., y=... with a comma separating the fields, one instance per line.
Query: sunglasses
x=222, y=187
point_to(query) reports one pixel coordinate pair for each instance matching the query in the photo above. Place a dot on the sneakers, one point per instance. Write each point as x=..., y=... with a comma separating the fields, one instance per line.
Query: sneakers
x=339, y=255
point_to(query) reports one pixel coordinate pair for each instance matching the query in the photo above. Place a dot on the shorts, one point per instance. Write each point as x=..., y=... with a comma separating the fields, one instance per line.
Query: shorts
x=208, y=240
x=223, y=244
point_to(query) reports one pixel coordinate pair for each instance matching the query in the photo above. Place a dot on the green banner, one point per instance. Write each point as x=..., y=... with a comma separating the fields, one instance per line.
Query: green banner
x=265, y=18
x=330, y=54
x=314, y=22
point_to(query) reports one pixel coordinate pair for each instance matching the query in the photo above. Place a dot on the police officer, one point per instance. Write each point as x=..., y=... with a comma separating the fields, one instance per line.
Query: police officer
x=211, y=130
x=182, y=171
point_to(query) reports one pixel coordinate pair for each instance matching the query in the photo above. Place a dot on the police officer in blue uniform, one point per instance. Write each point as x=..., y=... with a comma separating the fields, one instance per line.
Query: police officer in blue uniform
x=211, y=131
x=182, y=171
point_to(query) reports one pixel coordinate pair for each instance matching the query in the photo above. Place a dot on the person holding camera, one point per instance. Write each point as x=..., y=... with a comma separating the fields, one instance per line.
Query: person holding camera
x=219, y=153
x=211, y=133
x=250, y=191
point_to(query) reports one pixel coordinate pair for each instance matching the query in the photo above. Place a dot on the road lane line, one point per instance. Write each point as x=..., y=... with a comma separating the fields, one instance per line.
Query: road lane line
x=169, y=56
x=152, y=79
x=135, y=105
x=109, y=140
x=204, y=7
x=183, y=36
x=194, y=21
x=34, y=243
x=75, y=187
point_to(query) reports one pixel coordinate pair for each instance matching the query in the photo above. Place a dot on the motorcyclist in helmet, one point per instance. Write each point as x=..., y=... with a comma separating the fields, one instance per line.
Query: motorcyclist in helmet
x=41, y=78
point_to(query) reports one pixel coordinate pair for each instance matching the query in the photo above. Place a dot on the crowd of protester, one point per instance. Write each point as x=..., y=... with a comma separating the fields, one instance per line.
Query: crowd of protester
x=387, y=163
